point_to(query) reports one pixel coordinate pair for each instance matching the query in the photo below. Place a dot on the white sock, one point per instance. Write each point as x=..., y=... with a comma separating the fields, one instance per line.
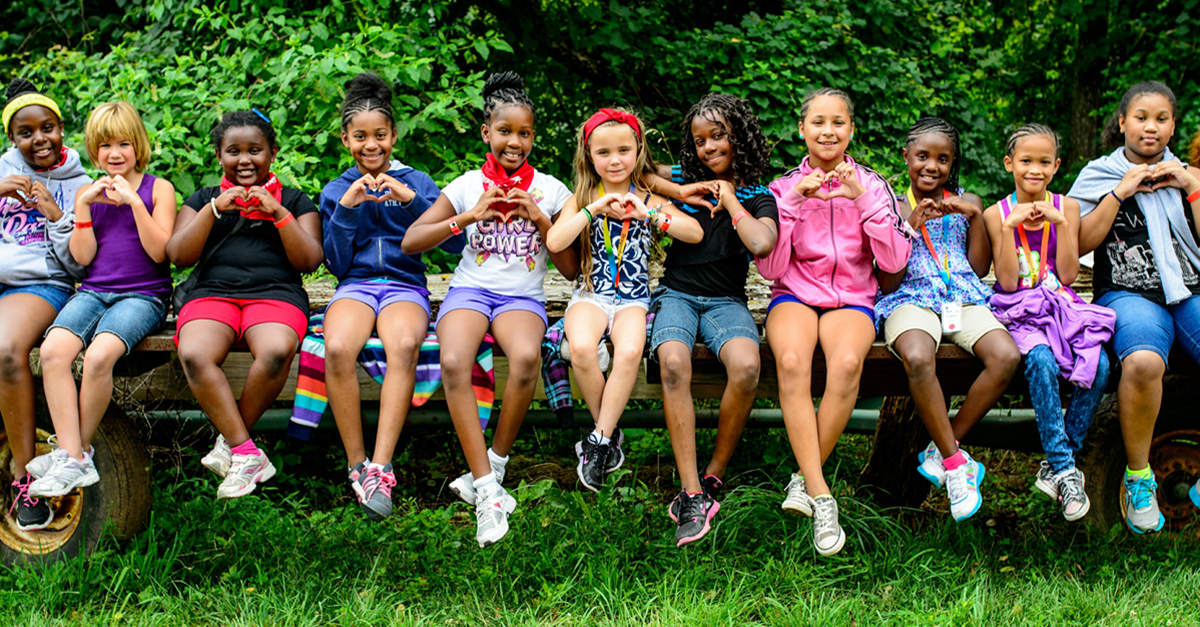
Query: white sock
x=483, y=481
x=601, y=437
x=496, y=459
x=371, y=464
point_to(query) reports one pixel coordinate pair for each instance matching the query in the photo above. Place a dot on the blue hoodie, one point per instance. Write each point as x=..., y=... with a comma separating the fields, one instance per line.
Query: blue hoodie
x=363, y=243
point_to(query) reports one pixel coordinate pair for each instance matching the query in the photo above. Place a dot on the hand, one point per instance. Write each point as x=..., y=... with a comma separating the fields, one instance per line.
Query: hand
x=811, y=184
x=851, y=188
x=1022, y=213
x=483, y=209
x=124, y=191
x=527, y=208
x=925, y=210
x=1050, y=213
x=725, y=199
x=1132, y=182
x=1173, y=174
x=957, y=204
x=356, y=194
x=97, y=193
x=696, y=194
x=45, y=202
x=610, y=204
x=635, y=209
x=19, y=188
x=227, y=200
x=266, y=202
x=395, y=190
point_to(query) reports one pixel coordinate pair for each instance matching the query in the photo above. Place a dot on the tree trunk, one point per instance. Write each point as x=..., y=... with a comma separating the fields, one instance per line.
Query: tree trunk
x=891, y=473
x=1087, y=84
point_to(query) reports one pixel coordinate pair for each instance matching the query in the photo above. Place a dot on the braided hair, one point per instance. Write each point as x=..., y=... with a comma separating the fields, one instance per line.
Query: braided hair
x=826, y=91
x=19, y=86
x=1113, y=137
x=502, y=89
x=367, y=92
x=238, y=119
x=751, y=153
x=1029, y=130
x=928, y=125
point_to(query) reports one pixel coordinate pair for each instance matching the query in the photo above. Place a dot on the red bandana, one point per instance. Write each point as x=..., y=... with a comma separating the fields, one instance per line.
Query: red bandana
x=606, y=115
x=494, y=175
x=273, y=187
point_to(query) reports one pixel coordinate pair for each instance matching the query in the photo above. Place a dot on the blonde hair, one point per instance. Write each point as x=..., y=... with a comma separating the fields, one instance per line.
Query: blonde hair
x=117, y=119
x=587, y=184
x=1194, y=150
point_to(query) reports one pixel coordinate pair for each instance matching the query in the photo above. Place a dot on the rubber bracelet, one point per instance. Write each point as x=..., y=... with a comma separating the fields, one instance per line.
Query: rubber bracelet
x=86, y=224
x=454, y=228
x=1194, y=196
x=666, y=223
x=741, y=214
x=1114, y=195
x=587, y=213
x=279, y=224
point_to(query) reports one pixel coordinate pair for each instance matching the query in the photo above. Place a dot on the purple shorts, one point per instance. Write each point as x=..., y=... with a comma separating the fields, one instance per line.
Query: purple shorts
x=489, y=303
x=379, y=294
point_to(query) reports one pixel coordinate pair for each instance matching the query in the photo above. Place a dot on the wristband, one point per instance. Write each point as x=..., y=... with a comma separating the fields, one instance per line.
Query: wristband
x=216, y=213
x=1114, y=195
x=1194, y=196
x=666, y=223
x=454, y=228
x=279, y=224
x=739, y=216
x=587, y=213
x=86, y=224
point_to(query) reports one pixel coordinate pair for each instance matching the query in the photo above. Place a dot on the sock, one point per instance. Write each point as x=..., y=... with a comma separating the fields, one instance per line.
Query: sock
x=955, y=460
x=245, y=448
x=1144, y=473
x=495, y=459
x=600, y=437
x=479, y=483
x=371, y=464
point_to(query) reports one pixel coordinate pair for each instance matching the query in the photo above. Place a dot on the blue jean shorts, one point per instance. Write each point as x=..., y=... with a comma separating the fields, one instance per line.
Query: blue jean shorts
x=53, y=294
x=717, y=319
x=1143, y=324
x=127, y=315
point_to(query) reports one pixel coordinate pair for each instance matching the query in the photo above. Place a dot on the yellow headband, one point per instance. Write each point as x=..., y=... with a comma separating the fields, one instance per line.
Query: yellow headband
x=22, y=101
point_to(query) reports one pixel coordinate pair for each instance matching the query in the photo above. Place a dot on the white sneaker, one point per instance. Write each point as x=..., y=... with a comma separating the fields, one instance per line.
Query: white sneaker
x=40, y=465
x=464, y=486
x=1044, y=480
x=219, y=459
x=828, y=536
x=931, y=466
x=245, y=473
x=491, y=514
x=65, y=475
x=1071, y=496
x=962, y=486
x=797, y=500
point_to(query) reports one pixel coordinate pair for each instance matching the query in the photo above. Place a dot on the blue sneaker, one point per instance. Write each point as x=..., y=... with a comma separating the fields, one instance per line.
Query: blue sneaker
x=1194, y=494
x=1140, y=502
x=962, y=486
x=930, y=465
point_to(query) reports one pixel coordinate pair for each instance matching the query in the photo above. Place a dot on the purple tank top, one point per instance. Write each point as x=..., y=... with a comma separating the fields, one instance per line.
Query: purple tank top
x=121, y=264
x=1028, y=268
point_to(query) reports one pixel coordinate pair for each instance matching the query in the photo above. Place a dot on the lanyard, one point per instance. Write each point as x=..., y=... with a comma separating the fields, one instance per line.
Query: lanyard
x=614, y=263
x=1043, y=263
x=944, y=266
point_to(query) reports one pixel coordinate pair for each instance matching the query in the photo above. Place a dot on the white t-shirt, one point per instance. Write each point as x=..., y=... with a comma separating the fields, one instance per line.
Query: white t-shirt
x=506, y=258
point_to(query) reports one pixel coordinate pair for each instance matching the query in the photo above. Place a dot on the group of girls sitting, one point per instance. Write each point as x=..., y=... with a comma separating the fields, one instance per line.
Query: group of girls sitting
x=849, y=260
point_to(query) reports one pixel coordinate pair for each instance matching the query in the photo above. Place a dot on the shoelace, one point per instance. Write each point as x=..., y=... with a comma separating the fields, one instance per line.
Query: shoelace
x=1070, y=489
x=956, y=483
x=490, y=511
x=692, y=507
x=796, y=484
x=22, y=495
x=825, y=516
x=1141, y=492
x=377, y=480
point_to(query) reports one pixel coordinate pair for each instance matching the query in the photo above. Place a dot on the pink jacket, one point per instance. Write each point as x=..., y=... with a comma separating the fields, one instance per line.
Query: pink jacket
x=826, y=247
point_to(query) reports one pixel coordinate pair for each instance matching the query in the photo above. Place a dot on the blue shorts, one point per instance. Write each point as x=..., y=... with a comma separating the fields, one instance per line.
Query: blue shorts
x=788, y=298
x=53, y=294
x=717, y=319
x=379, y=294
x=127, y=315
x=489, y=304
x=1145, y=325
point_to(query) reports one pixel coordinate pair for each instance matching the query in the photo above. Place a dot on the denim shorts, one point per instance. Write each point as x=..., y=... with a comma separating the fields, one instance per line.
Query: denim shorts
x=1145, y=325
x=379, y=294
x=53, y=294
x=717, y=319
x=126, y=315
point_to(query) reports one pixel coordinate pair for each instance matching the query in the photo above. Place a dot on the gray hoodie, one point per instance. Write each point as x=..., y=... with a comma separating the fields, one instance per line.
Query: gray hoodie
x=34, y=250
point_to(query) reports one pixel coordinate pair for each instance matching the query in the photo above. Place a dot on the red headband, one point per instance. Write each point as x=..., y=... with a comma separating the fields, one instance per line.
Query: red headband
x=607, y=115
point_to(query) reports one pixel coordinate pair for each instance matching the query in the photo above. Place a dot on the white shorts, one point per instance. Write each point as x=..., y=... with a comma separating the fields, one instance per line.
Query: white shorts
x=609, y=305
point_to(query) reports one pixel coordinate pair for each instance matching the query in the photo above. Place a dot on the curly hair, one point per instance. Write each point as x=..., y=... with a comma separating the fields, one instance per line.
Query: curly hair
x=1113, y=137
x=239, y=119
x=751, y=152
x=928, y=125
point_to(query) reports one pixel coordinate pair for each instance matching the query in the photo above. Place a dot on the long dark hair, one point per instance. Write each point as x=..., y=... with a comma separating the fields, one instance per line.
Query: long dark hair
x=751, y=153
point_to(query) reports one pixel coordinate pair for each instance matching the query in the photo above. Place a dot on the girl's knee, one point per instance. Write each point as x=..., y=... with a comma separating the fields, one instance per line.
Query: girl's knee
x=1143, y=368
x=57, y=355
x=98, y=362
x=583, y=352
x=524, y=362
x=628, y=353
x=792, y=366
x=844, y=368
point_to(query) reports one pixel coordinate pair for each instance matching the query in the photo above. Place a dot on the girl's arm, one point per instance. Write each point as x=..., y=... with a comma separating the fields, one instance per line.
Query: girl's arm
x=890, y=243
x=979, y=251
x=789, y=199
x=890, y=281
x=1066, y=259
x=301, y=236
x=683, y=227
x=154, y=228
x=433, y=227
x=757, y=234
x=1094, y=227
x=192, y=229
x=83, y=241
x=567, y=226
x=1004, y=253
x=341, y=226
x=566, y=261
x=1173, y=174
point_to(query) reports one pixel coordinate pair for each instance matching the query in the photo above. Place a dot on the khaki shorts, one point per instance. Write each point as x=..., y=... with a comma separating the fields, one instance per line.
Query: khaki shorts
x=977, y=321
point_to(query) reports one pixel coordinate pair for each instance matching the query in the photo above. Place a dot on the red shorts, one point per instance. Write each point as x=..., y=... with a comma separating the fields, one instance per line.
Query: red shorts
x=241, y=314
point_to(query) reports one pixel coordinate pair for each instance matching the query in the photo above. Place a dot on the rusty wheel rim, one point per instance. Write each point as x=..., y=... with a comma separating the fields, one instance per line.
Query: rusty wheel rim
x=1175, y=459
x=68, y=509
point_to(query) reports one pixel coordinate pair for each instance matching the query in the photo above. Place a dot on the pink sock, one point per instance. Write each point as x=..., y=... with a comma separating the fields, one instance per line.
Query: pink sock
x=955, y=460
x=245, y=448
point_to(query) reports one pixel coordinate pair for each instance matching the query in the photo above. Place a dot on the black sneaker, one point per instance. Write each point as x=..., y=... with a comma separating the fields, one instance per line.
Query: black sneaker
x=712, y=487
x=30, y=513
x=695, y=514
x=597, y=460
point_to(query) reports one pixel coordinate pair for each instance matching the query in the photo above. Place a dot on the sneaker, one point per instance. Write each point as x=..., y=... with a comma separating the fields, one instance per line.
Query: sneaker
x=377, y=483
x=41, y=464
x=357, y=474
x=30, y=513
x=219, y=459
x=491, y=514
x=962, y=486
x=797, y=500
x=597, y=460
x=1044, y=480
x=828, y=536
x=65, y=475
x=245, y=473
x=1140, y=502
x=931, y=466
x=695, y=516
x=1074, y=501
x=464, y=486
x=711, y=486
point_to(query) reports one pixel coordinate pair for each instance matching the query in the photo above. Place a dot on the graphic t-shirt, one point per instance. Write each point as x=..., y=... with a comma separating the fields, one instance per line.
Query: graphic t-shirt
x=1125, y=261
x=506, y=258
x=252, y=263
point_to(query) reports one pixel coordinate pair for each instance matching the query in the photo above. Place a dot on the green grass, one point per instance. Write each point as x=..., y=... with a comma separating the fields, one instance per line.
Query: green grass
x=298, y=553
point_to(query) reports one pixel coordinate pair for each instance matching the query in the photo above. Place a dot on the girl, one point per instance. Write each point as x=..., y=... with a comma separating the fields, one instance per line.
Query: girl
x=939, y=293
x=366, y=212
x=122, y=224
x=1139, y=209
x=505, y=208
x=254, y=237
x=703, y=291
x=39, y=179
x=616, y=230
x=837, y=219
x=1054, y=328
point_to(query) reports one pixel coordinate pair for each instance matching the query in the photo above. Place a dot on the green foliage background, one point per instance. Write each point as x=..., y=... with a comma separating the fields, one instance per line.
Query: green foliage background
x=985, y=65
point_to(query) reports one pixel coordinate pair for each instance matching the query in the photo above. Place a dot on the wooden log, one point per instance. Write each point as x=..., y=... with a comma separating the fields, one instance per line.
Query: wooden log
x=891, y=472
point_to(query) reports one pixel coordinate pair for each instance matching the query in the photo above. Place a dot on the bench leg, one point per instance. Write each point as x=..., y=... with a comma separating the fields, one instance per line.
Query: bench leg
x=891, y=472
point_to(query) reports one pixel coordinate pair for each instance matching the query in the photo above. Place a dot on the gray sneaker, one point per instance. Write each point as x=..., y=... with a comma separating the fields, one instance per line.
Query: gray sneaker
x=464, y=486
x=828, y=536
x=65, y=475
x=1140, y=502
x=377, y=483
x=491, y=514
x=797, y=500
x=1044, y=480
x=1072, y=498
